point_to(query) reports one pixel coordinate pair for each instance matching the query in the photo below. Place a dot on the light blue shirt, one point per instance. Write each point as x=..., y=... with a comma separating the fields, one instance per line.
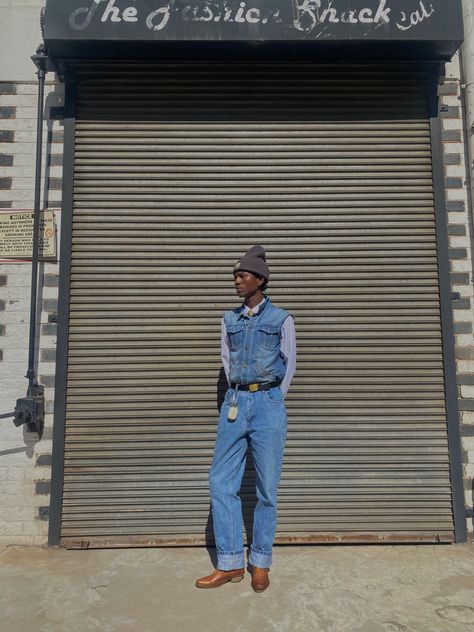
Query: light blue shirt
x=287, y=347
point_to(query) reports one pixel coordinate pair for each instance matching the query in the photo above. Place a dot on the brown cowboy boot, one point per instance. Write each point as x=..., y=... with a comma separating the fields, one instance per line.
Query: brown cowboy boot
x=260, y=580
x=218, y=578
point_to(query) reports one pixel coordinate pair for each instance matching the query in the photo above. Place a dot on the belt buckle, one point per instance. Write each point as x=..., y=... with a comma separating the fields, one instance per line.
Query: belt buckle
x=253, y=388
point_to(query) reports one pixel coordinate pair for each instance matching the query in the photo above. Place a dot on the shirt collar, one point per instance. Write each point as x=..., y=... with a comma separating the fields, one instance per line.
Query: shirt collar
x=245, y=309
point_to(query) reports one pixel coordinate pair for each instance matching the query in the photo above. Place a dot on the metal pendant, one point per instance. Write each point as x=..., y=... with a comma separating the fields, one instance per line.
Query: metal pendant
x=233, y=412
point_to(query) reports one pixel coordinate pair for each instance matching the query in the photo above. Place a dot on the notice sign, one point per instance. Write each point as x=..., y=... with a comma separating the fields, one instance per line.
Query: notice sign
x=16, y=235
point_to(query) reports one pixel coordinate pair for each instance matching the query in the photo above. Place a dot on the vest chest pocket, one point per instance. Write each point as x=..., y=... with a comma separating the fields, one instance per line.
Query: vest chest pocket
x=268, y=337
x=235, y=334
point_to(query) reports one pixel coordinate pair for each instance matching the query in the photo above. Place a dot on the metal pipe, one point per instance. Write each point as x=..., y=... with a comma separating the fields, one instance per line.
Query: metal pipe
x=29, y=410
x=40, y=61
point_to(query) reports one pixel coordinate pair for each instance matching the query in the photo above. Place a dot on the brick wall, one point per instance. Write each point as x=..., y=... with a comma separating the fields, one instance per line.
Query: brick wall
x=25, y=462
x=460, y=245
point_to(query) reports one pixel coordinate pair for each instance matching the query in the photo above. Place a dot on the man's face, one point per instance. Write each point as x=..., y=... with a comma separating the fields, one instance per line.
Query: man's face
x=247, y=284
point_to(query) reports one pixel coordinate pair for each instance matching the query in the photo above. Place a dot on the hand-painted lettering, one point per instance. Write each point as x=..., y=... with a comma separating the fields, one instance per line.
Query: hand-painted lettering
x=87, y=12
x=413, y=19
x=317, y=18
x=157, y=20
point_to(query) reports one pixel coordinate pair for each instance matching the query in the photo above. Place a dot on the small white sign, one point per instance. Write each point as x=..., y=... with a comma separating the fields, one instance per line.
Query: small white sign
x=16, y=235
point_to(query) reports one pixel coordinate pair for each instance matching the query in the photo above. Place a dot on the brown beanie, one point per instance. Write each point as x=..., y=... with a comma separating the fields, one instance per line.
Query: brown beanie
x=254, y=261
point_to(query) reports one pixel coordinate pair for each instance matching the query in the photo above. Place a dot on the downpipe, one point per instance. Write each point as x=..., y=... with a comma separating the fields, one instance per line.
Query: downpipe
x=29, y=410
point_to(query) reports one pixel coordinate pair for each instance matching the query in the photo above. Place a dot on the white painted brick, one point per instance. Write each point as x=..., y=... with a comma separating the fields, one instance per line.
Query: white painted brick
x=16, y=331
x=45, y=446
x=18, y=473
x=42, y=473
x=15, y=482
x=452, y=67
x=15, y=305
x=470, y=457
x=27, y=110
x=23, y=186
x=48, y=342
x=469, y=470
x=465, y=290
x=11, y=527
x=30, y=89
x=15, y=342
x=49, y=292
x=20, y=278
x=51, y=268
x=451, y=99
x=19, y=317
x=458, y=241
x=455, y=171
x=467, y=417
x=39, y=527
x=22, y=514
x=461, y=265
x=48, y=420
x=451, y=124
x=21, y=148
x=46, y=368
x=455, y=148
x=457, y=218
x=465, y=366
x=16, y=355
x=464, y=340
x=16, y=267
x=23, y=169
x=28, y=137
x=456, y=195
x=468, y=499
x=24, y=198
x=10, y=502
x=9, y=99
x=23, y=201
x=17, y=124
x=468, y=444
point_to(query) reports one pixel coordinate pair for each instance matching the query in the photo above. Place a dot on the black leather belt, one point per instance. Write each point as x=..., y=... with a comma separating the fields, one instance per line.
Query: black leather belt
x=256, y=387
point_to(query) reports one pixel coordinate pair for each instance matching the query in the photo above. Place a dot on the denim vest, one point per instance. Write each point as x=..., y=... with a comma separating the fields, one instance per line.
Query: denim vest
x=254, y=344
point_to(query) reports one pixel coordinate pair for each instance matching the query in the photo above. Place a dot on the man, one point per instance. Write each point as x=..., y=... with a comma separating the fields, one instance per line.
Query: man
x=259, y=358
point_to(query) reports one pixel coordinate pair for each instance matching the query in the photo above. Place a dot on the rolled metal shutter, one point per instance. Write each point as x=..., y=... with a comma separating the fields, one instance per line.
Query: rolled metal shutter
x=179, y=168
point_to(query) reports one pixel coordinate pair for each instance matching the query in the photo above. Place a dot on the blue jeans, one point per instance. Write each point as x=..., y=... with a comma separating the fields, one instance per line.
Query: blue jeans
x=261, y=423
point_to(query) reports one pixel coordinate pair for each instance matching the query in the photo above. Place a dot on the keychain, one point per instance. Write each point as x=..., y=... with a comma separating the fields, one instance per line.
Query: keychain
x=234, y=409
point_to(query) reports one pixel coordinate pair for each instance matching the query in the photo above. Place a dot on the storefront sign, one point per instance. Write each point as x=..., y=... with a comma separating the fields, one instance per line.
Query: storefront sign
x=16, y=235
x=258, y=20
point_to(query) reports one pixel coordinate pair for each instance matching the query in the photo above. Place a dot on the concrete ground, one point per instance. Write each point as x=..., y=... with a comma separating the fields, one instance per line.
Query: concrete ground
x=313, y=589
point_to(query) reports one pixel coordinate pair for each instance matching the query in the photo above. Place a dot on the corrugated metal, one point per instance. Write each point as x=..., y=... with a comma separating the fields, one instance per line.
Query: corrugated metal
x=178, y=170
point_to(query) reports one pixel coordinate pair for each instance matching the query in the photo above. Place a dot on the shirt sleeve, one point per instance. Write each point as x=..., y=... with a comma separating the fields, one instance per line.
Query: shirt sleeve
x=288, y=351
x=225, y=352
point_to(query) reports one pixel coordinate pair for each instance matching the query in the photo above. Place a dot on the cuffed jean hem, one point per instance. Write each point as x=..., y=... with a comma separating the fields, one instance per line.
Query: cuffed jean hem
x=230, y=561
x=257, y=558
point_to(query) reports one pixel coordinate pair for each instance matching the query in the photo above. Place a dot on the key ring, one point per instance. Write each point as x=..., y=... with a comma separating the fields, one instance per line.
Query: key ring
x=234, y=409
x=235, y=395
